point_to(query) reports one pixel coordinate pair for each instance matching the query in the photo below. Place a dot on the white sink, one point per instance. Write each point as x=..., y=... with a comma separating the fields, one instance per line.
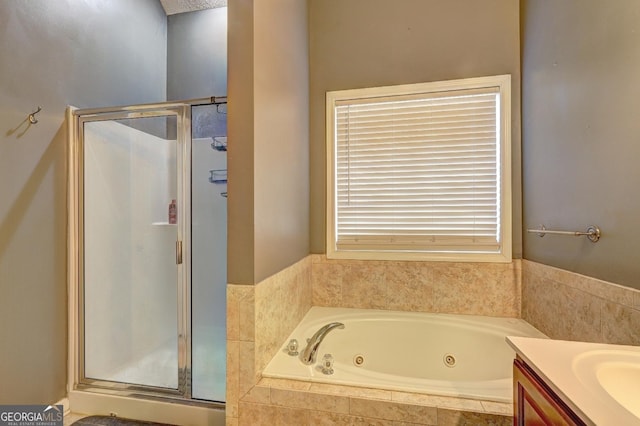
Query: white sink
x=617, y=373
x=599, y=382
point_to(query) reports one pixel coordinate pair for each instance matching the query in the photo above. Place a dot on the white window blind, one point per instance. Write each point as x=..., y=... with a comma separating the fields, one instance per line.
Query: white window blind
x=418, y=171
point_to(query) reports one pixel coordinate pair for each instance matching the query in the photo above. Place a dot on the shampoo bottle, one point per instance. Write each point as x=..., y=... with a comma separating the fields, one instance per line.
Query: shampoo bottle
x=173, y=212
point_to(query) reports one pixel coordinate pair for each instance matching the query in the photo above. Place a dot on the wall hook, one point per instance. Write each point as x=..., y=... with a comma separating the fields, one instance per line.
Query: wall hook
x=32, y=116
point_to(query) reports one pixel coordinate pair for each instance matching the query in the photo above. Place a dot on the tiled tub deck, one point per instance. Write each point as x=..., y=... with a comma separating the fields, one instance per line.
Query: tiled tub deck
x=291, y=402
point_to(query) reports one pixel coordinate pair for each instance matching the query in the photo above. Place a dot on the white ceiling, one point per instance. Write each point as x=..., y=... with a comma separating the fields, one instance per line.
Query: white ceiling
x=171, y=7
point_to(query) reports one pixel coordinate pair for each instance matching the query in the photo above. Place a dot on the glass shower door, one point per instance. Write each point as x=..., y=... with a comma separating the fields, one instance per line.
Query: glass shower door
x=209, y=251
x=133, y=276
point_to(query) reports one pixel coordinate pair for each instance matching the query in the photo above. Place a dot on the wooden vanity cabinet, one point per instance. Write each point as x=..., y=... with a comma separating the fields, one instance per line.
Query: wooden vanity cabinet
x=535, y=403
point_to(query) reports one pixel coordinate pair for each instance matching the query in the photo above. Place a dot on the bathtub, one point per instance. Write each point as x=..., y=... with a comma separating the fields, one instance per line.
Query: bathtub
x=438, y=354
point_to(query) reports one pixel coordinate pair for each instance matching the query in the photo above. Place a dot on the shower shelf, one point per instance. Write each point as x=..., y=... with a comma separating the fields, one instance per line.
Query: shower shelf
x=163, y=224
x=218, y=176
x=219, y=143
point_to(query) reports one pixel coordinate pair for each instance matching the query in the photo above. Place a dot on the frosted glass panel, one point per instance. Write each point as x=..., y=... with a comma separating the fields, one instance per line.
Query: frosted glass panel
x=130, y=274
x=209, y=246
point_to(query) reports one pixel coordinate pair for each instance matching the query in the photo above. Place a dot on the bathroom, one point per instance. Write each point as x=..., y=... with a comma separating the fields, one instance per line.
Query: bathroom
x=577, y=66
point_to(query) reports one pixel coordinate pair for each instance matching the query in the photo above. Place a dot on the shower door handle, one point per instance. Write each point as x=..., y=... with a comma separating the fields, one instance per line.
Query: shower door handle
x=178, y=252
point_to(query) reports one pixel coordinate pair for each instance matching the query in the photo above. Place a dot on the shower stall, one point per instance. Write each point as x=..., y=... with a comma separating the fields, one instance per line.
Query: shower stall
x=147, y=258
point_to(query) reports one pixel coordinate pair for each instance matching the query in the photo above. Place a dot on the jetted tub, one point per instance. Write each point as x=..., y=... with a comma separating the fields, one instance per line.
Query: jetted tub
x=438, y=354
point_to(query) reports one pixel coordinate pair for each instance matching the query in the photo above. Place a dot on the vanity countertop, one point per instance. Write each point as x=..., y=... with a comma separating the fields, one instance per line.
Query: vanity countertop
x=599, y=382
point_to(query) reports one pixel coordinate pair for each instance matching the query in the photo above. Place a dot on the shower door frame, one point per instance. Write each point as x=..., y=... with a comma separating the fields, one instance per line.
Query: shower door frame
x=76, y=118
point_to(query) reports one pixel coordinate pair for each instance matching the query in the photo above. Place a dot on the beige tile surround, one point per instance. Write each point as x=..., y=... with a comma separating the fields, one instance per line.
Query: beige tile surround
x=259, y=319
x=285, y=402
x=561, y=304
x=569, y=306
x=456, y=288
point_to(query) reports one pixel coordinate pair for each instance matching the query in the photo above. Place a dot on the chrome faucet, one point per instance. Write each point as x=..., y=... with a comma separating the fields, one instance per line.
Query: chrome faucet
x=310, y=352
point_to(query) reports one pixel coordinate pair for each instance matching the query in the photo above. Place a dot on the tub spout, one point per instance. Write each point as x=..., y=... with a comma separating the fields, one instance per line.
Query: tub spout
x=310, y=352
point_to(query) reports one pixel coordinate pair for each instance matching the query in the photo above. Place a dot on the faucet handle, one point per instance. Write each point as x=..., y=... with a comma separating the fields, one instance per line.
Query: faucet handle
x=292, y=347
x=327, y=364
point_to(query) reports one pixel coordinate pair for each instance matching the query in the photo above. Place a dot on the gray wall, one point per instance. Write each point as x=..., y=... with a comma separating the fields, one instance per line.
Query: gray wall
x=56, y=53
x=197, y=65
x=268, y=153
x=367, y=43
x=581, y=143
x=197, y=54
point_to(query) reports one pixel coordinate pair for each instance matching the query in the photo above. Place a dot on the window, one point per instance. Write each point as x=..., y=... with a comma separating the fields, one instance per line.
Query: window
x=421, y=171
